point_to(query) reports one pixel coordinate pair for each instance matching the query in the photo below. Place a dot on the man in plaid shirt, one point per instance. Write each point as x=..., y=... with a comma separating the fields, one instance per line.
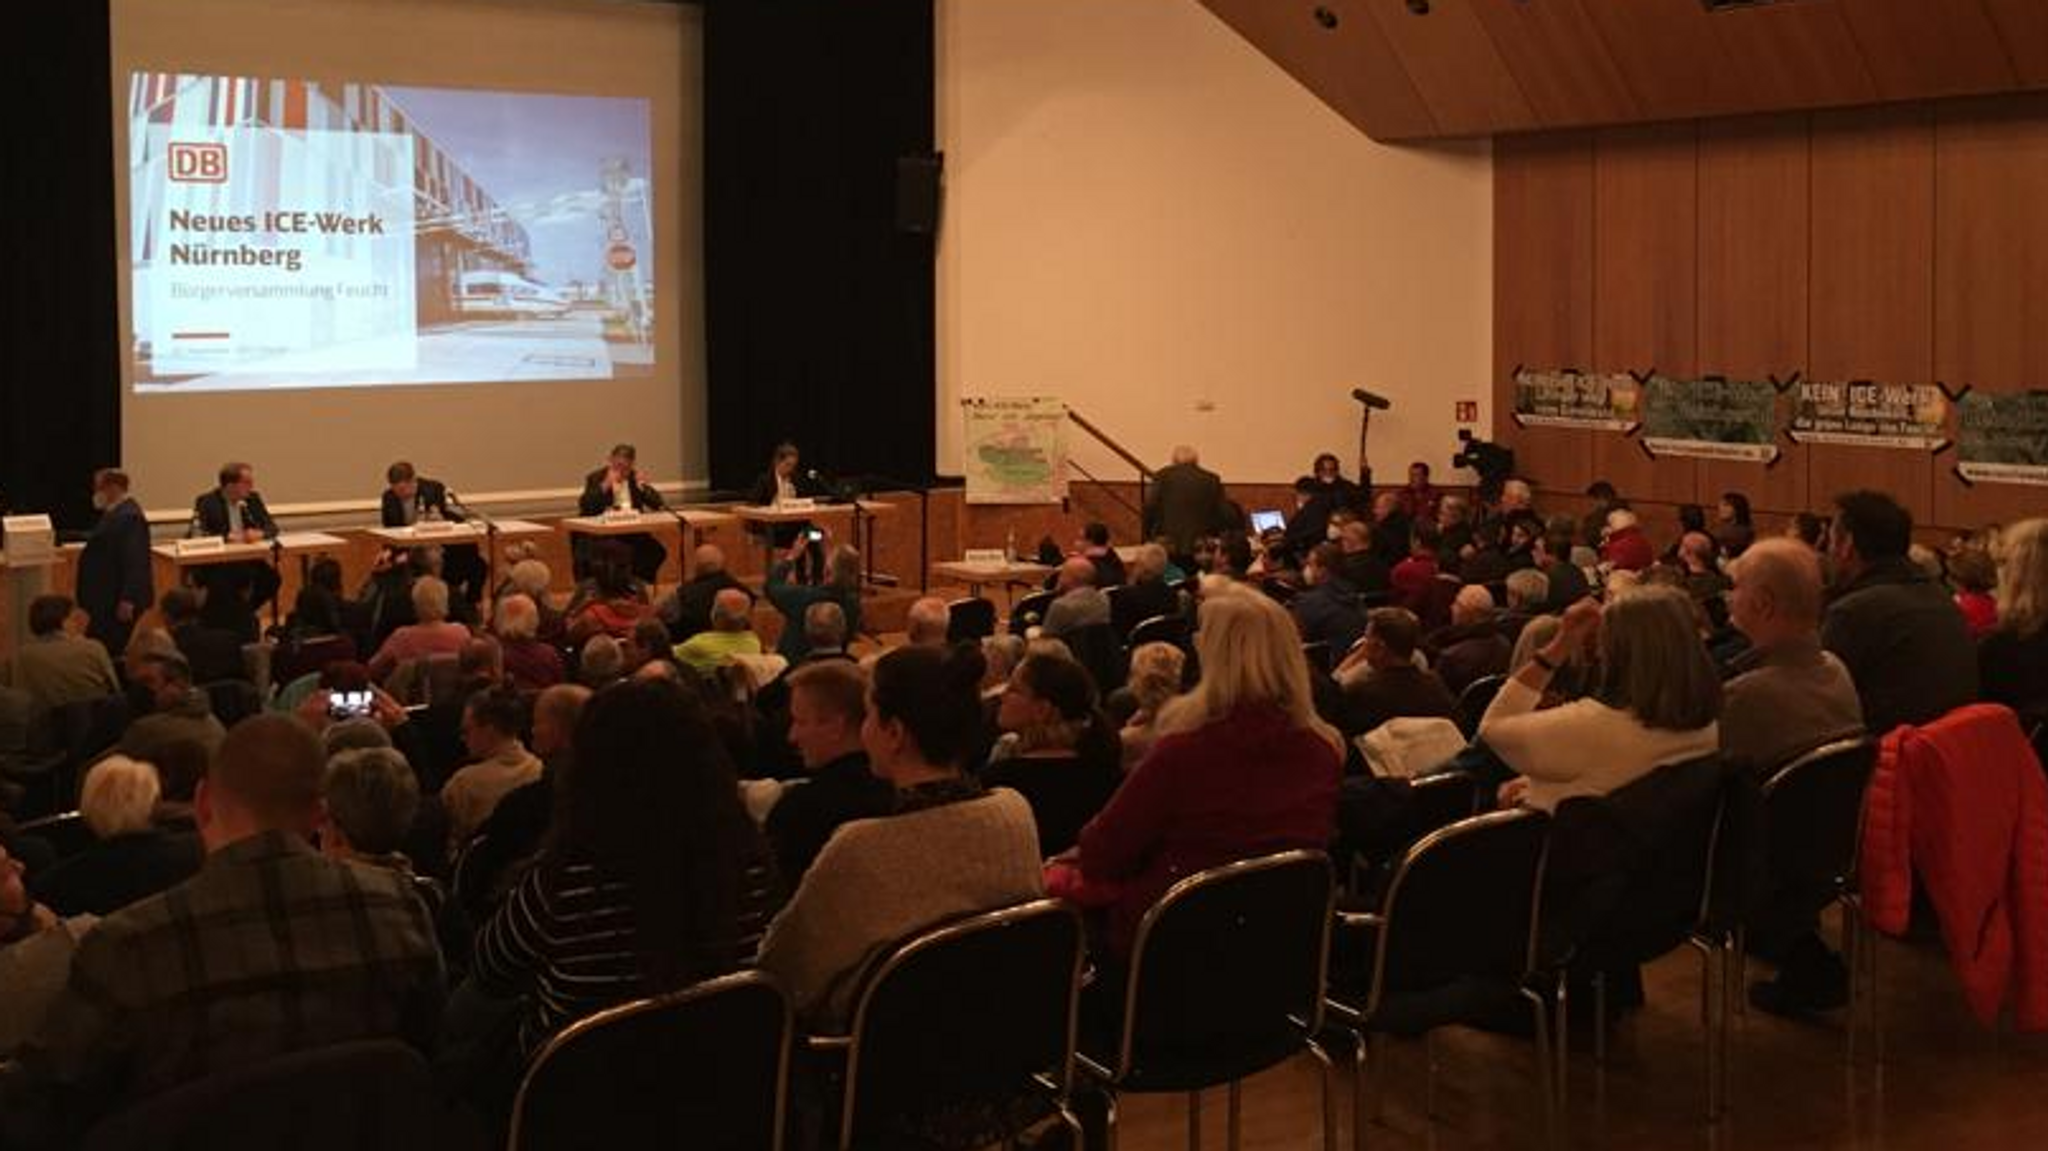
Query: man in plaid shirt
x=270, y=949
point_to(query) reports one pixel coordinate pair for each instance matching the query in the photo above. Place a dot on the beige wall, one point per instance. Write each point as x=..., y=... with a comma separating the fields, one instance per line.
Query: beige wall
x=1151, y=221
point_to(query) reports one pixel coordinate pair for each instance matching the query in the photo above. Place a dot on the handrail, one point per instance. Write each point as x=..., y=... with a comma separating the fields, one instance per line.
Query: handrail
x=1092, y=478
x=1102, y=437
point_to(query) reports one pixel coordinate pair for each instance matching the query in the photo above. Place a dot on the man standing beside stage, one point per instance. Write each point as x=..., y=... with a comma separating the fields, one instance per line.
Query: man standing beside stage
x=1187, y=504
x=617, y=486
x=114, y=581
x=410, y=498
x=234, y=512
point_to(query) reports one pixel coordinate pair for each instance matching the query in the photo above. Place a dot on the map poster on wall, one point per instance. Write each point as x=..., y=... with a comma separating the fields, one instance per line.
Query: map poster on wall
x=1712, y=419
x=1016, y=449
x=1862, y=414
x=1576, y=400
x=2003, y=439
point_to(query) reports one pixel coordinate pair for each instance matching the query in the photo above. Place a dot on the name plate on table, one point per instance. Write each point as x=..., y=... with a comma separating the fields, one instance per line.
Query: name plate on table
x=436, y=528
x=985, y=557
x=31, y=540
x=800, y=505
x=200, y=545
x=621, y=516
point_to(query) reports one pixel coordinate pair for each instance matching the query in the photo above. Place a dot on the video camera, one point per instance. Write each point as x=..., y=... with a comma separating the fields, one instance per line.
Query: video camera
x=1494, y=463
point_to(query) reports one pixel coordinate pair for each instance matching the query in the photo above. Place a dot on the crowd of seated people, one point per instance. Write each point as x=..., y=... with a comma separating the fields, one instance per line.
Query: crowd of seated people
x=609, y=804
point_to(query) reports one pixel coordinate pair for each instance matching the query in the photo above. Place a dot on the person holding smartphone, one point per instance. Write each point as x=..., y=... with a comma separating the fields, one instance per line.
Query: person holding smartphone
x=786, y=480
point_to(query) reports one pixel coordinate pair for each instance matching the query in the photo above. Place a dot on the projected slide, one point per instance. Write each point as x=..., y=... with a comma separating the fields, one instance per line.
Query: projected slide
x=315, y=234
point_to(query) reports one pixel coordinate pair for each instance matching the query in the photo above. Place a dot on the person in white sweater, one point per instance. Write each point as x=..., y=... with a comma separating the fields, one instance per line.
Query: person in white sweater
x=951, y=848
x=1657, y=701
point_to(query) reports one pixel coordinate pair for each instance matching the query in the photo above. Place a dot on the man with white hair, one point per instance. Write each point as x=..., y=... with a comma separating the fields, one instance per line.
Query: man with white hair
x=1697, y=554
x=731, y=634
x=928, y=622
x=1472, y=647
x=1186, y=504
x=131, y=858
x=687, y=610
x=1528, y=594
x=1626, y=548
x=825, y=631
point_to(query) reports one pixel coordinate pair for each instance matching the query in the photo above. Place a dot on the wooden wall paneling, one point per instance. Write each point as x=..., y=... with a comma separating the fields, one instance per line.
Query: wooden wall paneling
x=1558, y=60
x=1991, y=276
x=1452, y=62
x=2023, y=29
x=1754, y=217
x=1795, y=55
x=1922, y=48
x=1351, y=67
x=1543, y=289
x=1645, y=282
x=1871, y=296
x=1668, y=52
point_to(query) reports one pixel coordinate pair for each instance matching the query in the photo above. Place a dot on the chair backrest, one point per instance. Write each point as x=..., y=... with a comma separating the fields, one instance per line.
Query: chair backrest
x=1320, y=661
x=1462, y=903
x=1475, y=699
x=1097, y=648
x=65, y=833
x=1440, y=799
x=961, y=1018
x=1813, y=810
x=1228, y=968
x=232, y=700
x=1030, y=611
x=376, y=1095
x=1171, y=629
x=707, y=1066
x=970, y=619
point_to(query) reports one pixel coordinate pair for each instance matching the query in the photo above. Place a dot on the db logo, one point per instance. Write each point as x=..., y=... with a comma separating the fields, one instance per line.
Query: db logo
x=199, y=163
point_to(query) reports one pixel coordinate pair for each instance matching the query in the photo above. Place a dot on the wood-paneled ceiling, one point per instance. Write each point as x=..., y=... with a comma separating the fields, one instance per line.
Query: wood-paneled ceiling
x=1480, y=67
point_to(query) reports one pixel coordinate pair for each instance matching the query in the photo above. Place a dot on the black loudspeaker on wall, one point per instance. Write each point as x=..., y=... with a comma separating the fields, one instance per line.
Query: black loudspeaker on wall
x=917, y=192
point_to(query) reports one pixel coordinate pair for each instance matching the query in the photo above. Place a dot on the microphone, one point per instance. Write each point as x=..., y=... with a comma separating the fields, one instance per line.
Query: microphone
x=1371, y=399
x=813, y=476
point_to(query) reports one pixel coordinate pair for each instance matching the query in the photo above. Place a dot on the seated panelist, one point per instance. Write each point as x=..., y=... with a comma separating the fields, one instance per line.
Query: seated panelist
x=783, y=481
x=619, y=486
x=234, y=512
x=409, y=498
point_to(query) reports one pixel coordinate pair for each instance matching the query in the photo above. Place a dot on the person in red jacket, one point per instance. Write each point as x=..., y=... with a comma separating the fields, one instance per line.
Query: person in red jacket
x=1626, y=547
x=1242, y=768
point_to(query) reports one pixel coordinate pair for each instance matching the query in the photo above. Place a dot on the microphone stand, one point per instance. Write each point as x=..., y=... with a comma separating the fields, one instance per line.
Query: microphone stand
x=490, y=539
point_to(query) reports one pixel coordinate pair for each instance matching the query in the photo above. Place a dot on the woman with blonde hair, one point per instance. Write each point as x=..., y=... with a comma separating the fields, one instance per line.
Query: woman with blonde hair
x=2012, y=662
x=131, y=857
x=1157, y=670
x=1241, y=767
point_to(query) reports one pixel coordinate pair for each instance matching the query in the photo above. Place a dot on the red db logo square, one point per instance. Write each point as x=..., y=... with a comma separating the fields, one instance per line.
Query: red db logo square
x=199, y=163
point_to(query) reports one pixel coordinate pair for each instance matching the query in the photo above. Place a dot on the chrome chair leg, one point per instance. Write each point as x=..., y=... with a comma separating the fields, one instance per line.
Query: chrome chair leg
x=1328, y=1072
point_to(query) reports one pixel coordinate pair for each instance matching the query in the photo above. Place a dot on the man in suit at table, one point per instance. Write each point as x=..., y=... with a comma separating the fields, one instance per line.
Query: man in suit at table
x=783, y=481
x=618, y=486
x=114, y=581
x=234, y=512
x=409, y=498
x=1186, y=504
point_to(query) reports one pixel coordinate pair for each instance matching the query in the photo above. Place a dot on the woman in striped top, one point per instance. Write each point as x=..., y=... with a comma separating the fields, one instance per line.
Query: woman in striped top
x=653, y=878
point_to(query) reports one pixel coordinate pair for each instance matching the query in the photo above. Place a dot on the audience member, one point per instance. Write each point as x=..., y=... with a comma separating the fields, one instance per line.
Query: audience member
x=1186, y=503
x=1147, y=595
x=1734, y=528
x=825, y=633
x=1358, y=564
x=1528, y=593
x=1096, y=549
x=499, y=762
x=612, y=602
x=1485, y=560
x=1419, y=499
x=648, y=645
x=950, y=848
x=731, y=634
x=372, y=797
x=602, y=662
x=1058, y=750
x=1414, y=580
x=1473, y=647
x=1786, y=695
x=1658, y=702
x=530, y=665
x=827, y=706
x=1454, y=531
x=1392, y=529
x=1157, y=672
x=1593, y=528
x=131, y=856
x=1328, y=612
x=1080, y=604
x=1975, y=576
x=1698, y=557
x=1002, y=654
x=178, y=711
x=1383, y=681
x=509, y=838
x=1191, y=804
x=320, y=609
x=213, y=650
x=291, y=950
x=2014, y=657
x=532, y=579
x=432, y=635
x=1625, y=547
x=59, y=665
x=926, y=623
x=687, y=609
x=841, y=586
x=35, y=956
x=1898, y=632
x=652, y=880
x=1317, y=496
x=1567, y=581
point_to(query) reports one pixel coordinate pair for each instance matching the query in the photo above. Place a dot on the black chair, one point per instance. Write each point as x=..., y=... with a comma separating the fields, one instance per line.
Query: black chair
x=1475, y=699
x=707, y=1066
x=1171, y=629
x=964, y=1035
x=1226, y=979
x=970, y=619
x=376, y=1095
x=1431, y=802
x=66, y=834
x=232, y=700
x=1097, y=648
x=1813, y=819
x=1460, y=913
x=1631, y=878
x=1030, y=611
x=62, y=742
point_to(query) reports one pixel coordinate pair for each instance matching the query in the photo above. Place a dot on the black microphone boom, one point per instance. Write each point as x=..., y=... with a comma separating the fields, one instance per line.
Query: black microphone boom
x=1371, y=399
